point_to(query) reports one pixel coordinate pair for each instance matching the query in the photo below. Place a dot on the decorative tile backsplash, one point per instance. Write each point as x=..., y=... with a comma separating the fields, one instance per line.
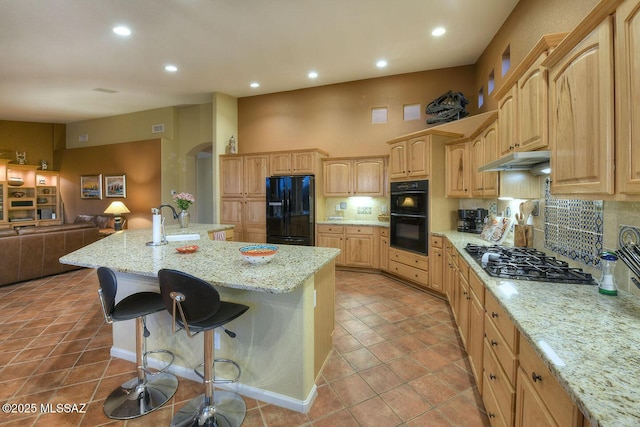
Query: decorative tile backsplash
x=574, y=228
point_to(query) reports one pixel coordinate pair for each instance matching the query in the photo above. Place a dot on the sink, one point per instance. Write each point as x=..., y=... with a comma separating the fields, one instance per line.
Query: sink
x=182, y=237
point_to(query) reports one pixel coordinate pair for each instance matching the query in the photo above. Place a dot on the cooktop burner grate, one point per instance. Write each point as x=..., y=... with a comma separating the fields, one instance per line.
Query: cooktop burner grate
x=526, y=264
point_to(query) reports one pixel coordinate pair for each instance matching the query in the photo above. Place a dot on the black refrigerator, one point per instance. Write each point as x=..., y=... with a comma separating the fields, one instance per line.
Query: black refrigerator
x=291, y=210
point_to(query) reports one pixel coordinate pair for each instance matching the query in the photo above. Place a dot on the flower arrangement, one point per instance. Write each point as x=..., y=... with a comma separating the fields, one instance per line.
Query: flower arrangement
x=183, y=200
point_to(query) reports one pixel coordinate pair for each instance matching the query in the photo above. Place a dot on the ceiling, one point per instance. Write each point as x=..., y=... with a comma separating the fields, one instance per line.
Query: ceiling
x=55, y=53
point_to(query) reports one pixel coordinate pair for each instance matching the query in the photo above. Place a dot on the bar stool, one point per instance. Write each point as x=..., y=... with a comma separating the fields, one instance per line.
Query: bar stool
x=149, y=390
x=196, y=307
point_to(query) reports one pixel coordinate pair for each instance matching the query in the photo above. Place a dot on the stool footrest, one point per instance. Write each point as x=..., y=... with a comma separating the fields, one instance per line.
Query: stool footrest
x=221, y=380
x=164, y=368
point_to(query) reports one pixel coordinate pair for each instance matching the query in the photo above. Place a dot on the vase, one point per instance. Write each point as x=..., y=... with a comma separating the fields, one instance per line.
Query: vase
x=183, y=219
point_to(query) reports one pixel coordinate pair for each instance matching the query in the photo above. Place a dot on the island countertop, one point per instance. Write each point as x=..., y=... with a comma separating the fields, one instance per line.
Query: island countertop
x=217, y=262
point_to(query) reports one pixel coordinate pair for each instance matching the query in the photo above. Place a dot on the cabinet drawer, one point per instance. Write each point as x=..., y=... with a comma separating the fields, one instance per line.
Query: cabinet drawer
x=496, y=379
x=359, y=230
x=324, y=228
x=491, y=406
x=502, y=322
x=384, y=232
x=408, y=272
x=503, y=353
x=477, y=287
x=414, y=260
x=544, y=383
x=436, y=241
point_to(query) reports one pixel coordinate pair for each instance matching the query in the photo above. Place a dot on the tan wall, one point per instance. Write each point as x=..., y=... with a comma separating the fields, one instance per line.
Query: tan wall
x=337, y=118
x=529, y=21
x=38, y=140
x=139, y=161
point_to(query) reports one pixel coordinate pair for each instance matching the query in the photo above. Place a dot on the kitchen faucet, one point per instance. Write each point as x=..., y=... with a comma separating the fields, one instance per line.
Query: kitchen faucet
x=156, y=211
x=175, y=214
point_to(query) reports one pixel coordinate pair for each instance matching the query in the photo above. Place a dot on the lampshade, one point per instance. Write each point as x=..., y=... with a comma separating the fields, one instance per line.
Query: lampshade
x=117, y=208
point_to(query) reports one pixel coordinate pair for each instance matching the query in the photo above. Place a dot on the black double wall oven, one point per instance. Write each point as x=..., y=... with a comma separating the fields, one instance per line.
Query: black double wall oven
x=409, y=225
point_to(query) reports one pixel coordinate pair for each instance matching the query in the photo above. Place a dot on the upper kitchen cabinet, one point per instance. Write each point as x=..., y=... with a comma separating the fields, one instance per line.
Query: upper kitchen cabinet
x=410, y=159
x=522, y=102
x=581, y=108
x=357, y=176
x=295, y=162
x=627, y=40
x=458, y=176
x=484, y=149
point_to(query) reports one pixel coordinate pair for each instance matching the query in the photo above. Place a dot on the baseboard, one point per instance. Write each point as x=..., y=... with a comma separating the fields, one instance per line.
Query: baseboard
x=302, y=406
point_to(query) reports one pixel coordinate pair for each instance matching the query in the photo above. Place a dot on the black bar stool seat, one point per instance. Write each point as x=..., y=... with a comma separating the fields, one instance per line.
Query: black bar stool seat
x=149, y=390
x=196, y=307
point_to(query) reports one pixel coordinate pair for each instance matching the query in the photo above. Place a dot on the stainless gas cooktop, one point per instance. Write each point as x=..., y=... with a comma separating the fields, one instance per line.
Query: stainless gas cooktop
x=526, y=264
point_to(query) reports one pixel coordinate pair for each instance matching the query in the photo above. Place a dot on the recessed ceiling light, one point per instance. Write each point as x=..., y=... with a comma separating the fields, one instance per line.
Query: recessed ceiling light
x=255, y=84
x=171, y=68
x=438, y=31
x=381, y=63
x=313, y=75
x=122, y=30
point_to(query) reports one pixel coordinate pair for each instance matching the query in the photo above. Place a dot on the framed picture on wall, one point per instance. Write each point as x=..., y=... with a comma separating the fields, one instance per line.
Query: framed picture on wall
x=115, y=186
x=91, y=186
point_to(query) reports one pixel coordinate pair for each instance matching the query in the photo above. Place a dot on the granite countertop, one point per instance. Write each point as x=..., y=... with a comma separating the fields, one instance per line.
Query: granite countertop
x=374, y=223
x=217, y=262
x=587, y=340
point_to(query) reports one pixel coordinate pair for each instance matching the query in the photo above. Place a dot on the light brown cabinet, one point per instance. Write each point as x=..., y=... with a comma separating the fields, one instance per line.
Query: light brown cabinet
x=436, y=266
x=347, y=177
x=484, y=150
x=410, y=266
x=35, y=202
x=581, y=131
x=359, y=245
x=410, y=159
x=294, y=163
x=475, y=343
x=243, y=195
x=541, y=400
x=507, y=116
x=458, y=176
x=384, y=249
x=627, y=69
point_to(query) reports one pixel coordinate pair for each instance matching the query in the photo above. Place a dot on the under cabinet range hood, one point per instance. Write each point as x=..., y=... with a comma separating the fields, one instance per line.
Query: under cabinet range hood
x=525, y=160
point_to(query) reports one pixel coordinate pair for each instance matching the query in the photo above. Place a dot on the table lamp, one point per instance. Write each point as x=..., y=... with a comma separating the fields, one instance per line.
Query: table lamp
x=117, y=209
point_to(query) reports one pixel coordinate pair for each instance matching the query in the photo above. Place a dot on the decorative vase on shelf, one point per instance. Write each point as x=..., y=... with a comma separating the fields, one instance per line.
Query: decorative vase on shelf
x=183, y=219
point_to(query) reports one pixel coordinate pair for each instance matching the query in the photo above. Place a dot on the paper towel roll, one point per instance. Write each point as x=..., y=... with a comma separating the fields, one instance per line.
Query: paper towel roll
x=157, y=229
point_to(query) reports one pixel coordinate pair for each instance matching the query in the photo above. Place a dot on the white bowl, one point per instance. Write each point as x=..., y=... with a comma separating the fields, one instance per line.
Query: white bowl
x=15, y=182
x=259, y=254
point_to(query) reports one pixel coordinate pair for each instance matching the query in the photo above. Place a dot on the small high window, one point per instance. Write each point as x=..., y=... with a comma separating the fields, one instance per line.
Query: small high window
x=491, y=83
x=379, y=115
x=506, y=60
x=411, y=112
x=480, y=97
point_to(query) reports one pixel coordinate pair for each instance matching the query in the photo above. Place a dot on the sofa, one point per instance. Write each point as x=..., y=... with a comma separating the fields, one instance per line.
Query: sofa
x=32, y=252
x=106, y=223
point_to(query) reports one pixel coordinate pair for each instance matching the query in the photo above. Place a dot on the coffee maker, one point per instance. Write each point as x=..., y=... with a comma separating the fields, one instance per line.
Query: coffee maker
x=472, y=220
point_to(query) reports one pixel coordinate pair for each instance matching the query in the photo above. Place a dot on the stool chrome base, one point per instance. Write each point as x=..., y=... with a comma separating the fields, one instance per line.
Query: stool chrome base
x=133, y=399
x=228, y=410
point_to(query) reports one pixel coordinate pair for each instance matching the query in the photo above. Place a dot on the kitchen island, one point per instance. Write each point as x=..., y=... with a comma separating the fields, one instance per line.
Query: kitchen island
x=587, y=340
x=282, y=341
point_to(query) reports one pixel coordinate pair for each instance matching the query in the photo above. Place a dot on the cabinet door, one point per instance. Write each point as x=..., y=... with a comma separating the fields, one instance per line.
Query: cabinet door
x=255, y=217
x=256, y=170
x=475, y=342
x=231, y=212
x=303, y=163
x=398, y=160
x=368, y=177
x=436, y=268
x=462, y=311
x=581, y=123
x=337, y=178
x=628, y=97
x=530, y=410
x=477, y=160
x=533, y=117
x=490, y=180
x=384, y=253
x=280, y=164
x=508, y=138
x=418, y=150
x=457, y=176
x=331, y=240
x=359, y=251
x=231, y=176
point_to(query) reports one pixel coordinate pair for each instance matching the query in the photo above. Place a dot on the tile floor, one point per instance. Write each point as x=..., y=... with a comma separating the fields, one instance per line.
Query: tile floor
x=397, y=360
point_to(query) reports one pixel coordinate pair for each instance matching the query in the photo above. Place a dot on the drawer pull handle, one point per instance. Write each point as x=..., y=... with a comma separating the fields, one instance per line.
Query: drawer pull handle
x=492, y=415
x=494, y=343
x=494, y=314
x=492, y=377
x=535, y=377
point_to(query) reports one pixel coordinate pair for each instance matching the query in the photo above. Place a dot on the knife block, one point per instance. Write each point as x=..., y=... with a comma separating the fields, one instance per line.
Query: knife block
x=523, y=236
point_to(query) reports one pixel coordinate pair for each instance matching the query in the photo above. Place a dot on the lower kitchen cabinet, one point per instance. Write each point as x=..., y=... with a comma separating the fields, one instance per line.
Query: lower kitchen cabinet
x=450, y=273
x=541, y=400
x=475, y=343
x=410, y=266
x=436, y=264
x=462, y=299
x=384, y=249
x=359, y=245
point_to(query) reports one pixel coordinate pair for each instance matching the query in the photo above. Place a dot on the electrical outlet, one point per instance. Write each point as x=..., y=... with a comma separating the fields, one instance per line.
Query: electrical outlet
x=343, y=205
x=173, y=192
